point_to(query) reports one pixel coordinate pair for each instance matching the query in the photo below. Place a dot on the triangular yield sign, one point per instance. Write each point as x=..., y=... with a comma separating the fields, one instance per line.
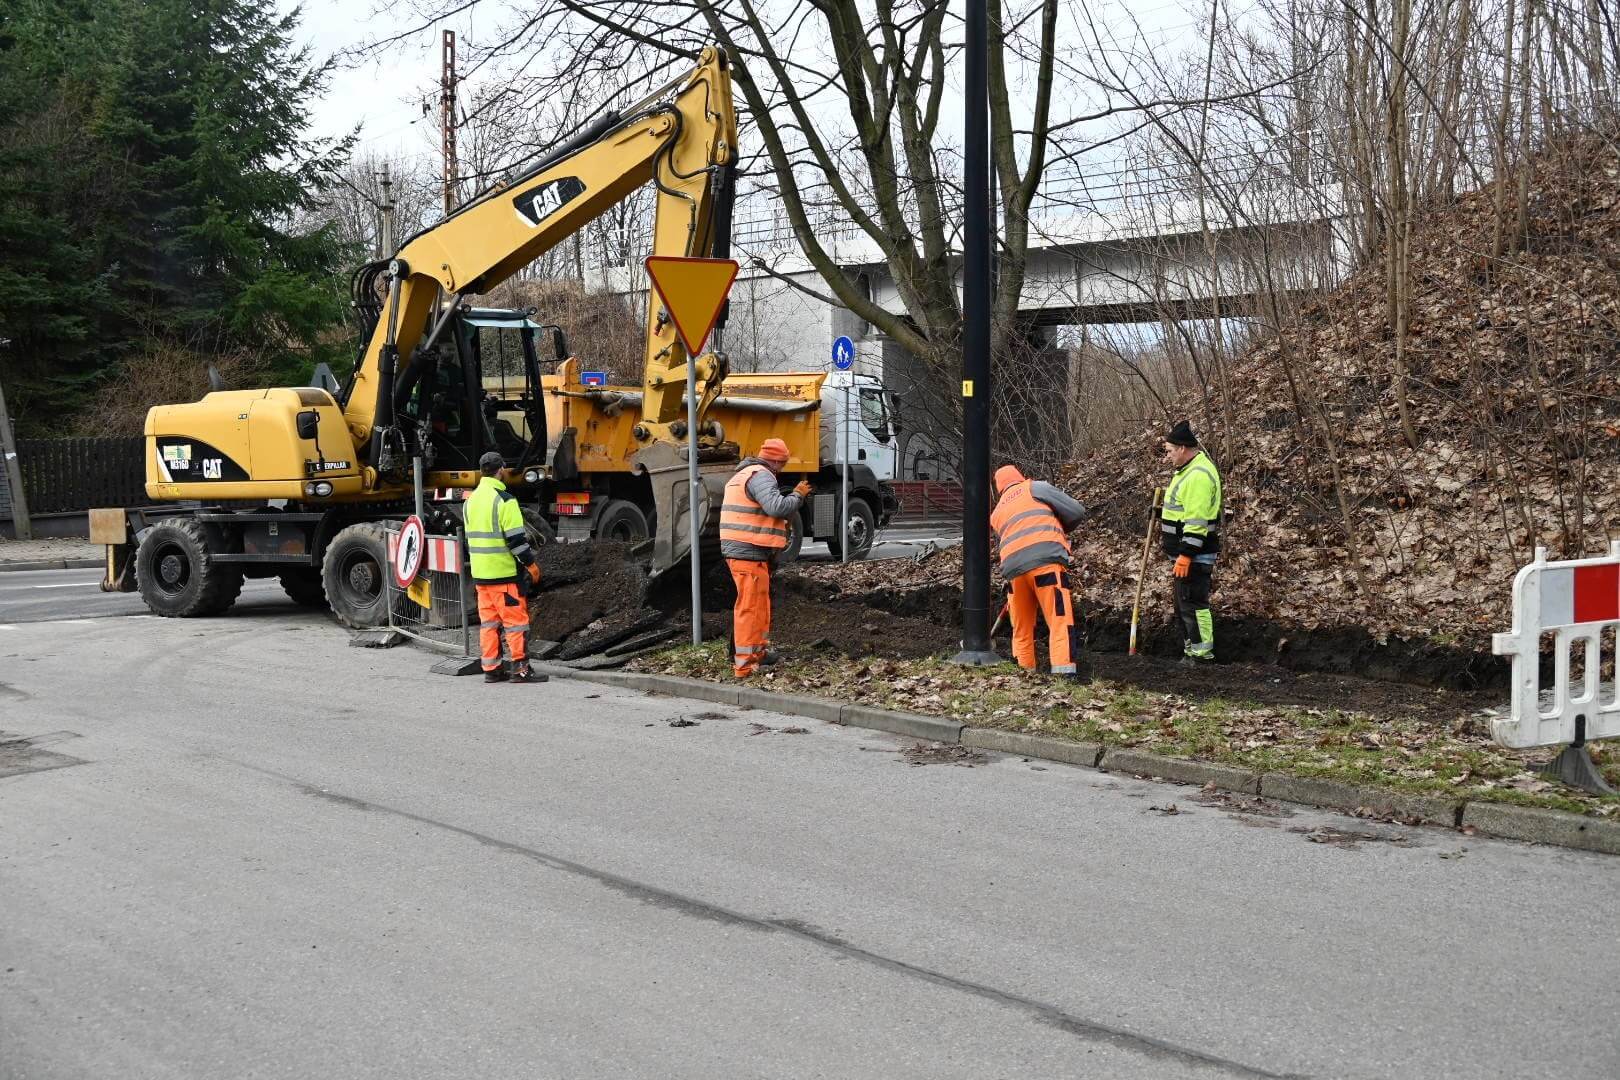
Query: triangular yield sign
x=693, y=292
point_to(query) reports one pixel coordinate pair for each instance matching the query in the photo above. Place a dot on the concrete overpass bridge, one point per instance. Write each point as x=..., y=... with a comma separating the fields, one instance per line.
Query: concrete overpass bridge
x=1120, y=243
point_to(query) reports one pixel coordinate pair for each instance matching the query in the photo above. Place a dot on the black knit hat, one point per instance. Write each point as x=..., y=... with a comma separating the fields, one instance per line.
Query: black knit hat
x=491, y=463
x=1181, y=435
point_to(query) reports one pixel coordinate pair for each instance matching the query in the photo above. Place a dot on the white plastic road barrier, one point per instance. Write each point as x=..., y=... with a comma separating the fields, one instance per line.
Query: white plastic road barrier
x=1578, y=603
x=442, y=553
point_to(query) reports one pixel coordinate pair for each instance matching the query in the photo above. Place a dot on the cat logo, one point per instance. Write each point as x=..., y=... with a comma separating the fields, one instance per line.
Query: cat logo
x=211, y=468
x=534, y=207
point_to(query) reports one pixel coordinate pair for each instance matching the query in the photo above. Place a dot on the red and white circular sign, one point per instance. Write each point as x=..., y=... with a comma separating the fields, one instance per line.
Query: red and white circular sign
x=408, y=552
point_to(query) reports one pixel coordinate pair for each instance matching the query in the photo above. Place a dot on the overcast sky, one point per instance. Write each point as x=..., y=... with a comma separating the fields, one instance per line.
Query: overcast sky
x=384, y=97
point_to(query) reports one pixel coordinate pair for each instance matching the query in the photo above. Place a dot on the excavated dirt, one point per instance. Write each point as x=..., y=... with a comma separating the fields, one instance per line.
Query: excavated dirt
x=597, y=599
x=591, y=592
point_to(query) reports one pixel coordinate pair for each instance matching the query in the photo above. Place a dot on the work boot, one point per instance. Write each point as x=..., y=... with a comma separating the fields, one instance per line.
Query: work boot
x=1197, y=661
x=525, y=674
x=495, y=675
x=769, y=659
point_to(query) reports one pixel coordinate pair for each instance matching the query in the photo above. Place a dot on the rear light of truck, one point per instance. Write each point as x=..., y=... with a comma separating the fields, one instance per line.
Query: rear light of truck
x=573, y=503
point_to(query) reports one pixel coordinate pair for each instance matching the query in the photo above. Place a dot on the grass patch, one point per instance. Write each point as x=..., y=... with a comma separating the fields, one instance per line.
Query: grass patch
x=1450, y=759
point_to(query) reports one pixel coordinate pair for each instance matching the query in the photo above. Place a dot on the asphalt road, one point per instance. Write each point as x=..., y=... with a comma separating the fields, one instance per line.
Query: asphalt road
x=259, y=852
x=42, y=595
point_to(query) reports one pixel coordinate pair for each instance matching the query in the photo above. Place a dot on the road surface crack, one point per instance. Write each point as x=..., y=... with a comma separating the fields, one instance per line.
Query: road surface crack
x=1051, y=1015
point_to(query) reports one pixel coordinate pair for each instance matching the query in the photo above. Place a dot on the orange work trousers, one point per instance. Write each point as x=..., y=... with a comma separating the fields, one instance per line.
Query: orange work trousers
x=751, y=617
x=502, y=610
x=1044, y=591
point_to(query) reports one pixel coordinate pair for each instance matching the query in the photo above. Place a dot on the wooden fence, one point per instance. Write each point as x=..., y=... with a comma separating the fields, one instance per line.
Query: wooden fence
x=65, y=476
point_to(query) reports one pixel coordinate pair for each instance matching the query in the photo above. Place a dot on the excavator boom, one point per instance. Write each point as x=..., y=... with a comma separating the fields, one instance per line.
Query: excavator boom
x=683, y=139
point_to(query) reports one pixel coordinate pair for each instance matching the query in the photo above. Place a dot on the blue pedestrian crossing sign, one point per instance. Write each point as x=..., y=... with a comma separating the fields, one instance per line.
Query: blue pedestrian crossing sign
x=843, y=354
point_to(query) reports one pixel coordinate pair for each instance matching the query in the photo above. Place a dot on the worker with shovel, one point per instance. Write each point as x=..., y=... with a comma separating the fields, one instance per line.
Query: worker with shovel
x=497, y=543
x=1032, y=521
x=754, y=530
x=1189, y=526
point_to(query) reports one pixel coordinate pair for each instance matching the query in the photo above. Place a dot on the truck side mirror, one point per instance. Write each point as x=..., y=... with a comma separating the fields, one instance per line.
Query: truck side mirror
x=559, y=344
x=309, y=423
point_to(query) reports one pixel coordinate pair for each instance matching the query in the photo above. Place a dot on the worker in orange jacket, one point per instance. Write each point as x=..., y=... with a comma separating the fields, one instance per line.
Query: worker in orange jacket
x=1032, y=521
x=755, y=527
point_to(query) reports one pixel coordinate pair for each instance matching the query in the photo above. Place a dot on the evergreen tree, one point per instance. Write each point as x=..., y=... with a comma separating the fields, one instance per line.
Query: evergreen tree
x=51, y=291
x=188, y=162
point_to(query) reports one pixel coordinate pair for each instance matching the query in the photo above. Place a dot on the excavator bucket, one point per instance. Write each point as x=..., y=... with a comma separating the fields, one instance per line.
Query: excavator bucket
x=665, y=466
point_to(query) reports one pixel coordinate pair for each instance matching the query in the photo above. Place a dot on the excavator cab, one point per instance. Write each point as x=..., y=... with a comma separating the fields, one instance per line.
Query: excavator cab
x=452, y=397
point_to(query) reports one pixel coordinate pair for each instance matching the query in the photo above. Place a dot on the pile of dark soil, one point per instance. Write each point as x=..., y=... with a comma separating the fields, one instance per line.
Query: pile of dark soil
x=596, y=598
x=591, y=597
x=808, y=614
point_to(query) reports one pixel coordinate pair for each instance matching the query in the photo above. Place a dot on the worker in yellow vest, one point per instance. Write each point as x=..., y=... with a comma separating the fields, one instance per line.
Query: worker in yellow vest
x=503, y=571
x=755, y=526
x=1032, y=521
x=1190, y=526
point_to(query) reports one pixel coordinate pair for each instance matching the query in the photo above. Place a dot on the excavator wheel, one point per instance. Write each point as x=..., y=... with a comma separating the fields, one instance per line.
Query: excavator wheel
x=177, y=574
x=305, y=588
x=354, y=573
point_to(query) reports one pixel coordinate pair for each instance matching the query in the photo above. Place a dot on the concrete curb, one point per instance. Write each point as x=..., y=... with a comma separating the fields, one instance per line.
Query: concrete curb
x=1182, y=770
x=1540, y=826
x=52, y=564
x=1013, y=742
x=1352, y=797
x=756, y=697
x=900, y=723
x=1530, y=824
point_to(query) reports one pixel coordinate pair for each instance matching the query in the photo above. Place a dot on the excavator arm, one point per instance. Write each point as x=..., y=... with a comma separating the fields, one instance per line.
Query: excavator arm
x=682, y=138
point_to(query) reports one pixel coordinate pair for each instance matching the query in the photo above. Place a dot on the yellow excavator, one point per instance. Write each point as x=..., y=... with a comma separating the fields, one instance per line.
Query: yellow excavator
x=297, y=483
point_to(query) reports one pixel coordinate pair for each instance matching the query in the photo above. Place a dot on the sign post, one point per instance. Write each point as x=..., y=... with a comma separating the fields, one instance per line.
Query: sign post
x=694, y=293
x=843, y=354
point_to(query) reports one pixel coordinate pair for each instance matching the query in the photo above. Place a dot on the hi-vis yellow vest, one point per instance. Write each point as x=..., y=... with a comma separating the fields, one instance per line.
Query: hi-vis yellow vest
x=492, y=517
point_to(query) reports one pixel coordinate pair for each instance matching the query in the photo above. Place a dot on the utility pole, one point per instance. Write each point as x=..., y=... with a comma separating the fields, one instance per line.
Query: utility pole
x=447, y=120
x=385, y=234
x=21, y=527
x=976, y=252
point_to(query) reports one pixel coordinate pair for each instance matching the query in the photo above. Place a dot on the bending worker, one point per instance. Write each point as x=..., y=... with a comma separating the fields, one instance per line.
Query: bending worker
x=754, y=529
x=503, y=569
x=1032, y=521
x=1190, y=527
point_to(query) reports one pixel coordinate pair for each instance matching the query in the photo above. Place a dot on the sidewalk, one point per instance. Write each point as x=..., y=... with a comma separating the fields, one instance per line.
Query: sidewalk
x=55, y=553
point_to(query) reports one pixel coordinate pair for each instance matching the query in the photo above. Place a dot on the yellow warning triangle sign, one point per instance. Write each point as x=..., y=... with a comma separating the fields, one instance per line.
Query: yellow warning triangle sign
x=693, y=292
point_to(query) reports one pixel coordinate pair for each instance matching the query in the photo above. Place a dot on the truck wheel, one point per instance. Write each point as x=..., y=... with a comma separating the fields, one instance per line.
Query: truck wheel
x=304, y=588
x=862, y=529
x=790, y=554
x=354, y=572
x=622, y=520
x=177, y=574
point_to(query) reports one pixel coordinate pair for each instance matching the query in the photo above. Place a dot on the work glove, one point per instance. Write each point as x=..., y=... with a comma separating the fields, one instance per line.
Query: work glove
x=1183, y=565
x=534, y=574
x=802, y=489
